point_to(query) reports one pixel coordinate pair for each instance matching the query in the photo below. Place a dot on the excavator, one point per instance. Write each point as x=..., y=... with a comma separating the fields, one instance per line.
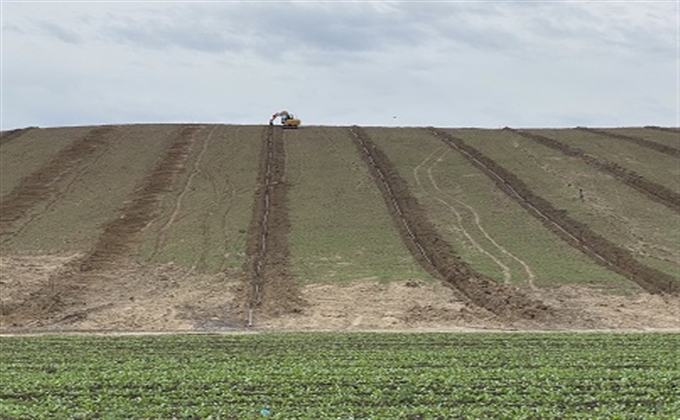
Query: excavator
x=287, y=119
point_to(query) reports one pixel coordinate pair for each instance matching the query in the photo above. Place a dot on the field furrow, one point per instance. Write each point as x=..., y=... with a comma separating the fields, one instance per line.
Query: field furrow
x=668, y=150
x=42, y=183
x=577, y=234
x=272, y=288
x=435, y=254
x=121, y=235
x=654, y=191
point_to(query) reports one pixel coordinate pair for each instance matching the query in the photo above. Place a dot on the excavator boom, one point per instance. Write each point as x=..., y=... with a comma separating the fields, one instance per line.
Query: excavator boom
x=287, y=119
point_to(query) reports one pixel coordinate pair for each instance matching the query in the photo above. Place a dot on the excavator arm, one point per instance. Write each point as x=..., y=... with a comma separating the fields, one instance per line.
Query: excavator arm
x=287, y=119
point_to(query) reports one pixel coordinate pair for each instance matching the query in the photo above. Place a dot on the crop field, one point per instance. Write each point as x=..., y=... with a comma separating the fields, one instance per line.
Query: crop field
x=203, y=226
x=342, y=376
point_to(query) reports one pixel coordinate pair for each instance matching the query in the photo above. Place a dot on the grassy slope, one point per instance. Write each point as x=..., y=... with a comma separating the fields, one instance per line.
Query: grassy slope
x=612, y=209
x=24, y=155
x=73, y=222
x=662, y=137
x=213, y=198
x=465, y=188
x=340, y=230
x=651, y=164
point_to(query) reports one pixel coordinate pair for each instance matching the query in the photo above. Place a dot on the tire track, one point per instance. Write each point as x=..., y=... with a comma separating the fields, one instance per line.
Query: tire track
x=652, y=190
x=120, y=236
x=43, y=183
x=507, y=274
x=432, y=252
x=531, y=277
x=271, y=286
x=577, y=234
x=160, y=239
x=668, y=150
x=9, y=135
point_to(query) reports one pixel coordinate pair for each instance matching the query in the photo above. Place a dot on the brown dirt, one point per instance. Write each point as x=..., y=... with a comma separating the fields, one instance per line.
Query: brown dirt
x=120, y=236
x=271, y=288
x=135, y=298
x=9, y=135
x=128, y=298
x=668, y=150
x=429, y=248
x=41, y=184
x=654, y=191
x=573, y=232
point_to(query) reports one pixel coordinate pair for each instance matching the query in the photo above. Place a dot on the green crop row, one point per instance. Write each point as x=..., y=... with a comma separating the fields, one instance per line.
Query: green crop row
x=341, y=376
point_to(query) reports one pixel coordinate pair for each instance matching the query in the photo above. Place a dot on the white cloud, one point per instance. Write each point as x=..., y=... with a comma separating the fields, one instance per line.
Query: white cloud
x=446, y=64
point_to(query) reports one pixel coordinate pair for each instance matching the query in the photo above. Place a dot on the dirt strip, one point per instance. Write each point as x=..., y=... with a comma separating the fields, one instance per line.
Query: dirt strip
x=271, y=287
x=41, y=184
x=431, y=250
x=668, y=150
x=9, y=135
x=577, y=234
x=654, y=191
x=120, y=235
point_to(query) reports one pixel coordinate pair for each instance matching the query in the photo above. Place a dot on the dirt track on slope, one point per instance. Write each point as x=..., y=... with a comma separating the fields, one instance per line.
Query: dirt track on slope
x=120, y=235
x=654, y=191
x=577, y=234
x=9, y=135
x=41, y=184
x=670, y=151
x=271, y=288
x=428, y=247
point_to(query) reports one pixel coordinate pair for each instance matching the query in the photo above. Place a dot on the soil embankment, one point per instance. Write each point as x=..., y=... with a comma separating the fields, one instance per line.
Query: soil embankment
x=271, y=288
x=573, y=232
x=435, y=254
x=654, y=191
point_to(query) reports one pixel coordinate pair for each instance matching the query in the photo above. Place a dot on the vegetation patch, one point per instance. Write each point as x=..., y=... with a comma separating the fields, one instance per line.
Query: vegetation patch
x=341, y=376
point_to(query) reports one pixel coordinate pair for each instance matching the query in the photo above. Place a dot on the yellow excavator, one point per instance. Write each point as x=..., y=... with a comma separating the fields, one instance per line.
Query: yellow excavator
x=287, y=119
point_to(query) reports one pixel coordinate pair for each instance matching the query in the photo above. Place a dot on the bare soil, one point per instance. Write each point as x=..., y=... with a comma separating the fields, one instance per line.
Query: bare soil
x=9, y=135
x=167, y=298
x=270, y=288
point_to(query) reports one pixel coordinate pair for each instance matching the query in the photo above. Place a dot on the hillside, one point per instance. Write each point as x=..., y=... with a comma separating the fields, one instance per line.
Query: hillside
x=210, y=227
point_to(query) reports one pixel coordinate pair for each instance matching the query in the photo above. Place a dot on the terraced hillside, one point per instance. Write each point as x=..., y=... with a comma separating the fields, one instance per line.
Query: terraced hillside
x=204, y=226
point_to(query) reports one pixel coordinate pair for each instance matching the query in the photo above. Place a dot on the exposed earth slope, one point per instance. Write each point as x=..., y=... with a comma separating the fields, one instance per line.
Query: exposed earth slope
x=214, y=227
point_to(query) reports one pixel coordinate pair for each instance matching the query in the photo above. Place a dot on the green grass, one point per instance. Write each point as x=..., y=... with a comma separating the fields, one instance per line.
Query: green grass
x=213, y=198
x=93, y=193
x=651, y=164
x=342, y=376
x=464, y=187
x=340, y=228
x=609, y=207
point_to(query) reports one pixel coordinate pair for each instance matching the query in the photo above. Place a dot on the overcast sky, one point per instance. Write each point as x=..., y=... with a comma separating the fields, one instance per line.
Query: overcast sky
x=448, y=64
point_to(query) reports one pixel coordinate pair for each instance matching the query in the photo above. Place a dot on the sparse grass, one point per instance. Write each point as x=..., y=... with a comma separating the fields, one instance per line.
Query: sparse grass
x=461, y=185
x=210, y=227
x=72, y=221
x=609, y=207
x=340, y=228
x=664, y=137
x=651, y=164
